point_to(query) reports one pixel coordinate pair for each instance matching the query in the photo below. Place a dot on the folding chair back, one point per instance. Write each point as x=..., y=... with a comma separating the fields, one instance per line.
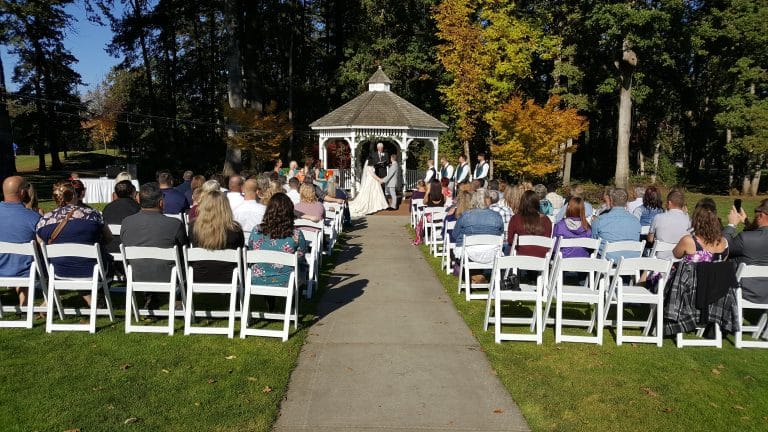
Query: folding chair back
x=28, y=250
x=289, y=292
x=314, y=255
x=415, y=212
x=532, y=240
x=592, y=245
x=743, y=273
x=660, y=246
x=629, y=247
x=231, y=288
x=91, y=284
x=129, y=255
x=448, y=246
x=466, y=264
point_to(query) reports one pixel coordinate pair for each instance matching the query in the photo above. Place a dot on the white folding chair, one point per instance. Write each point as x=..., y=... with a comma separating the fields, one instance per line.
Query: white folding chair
x=502, y=266
x=644, y=230
x=433, y=229
x=448, y=246
x=415, y=204
x=631, y=294
x=747, y=272
x=489, y=242
x=532, y=240
x=660, y=247
x=56, y=284
x=132, y=285
x=233, y=288
x=36, y=274
x=627, y=248
x=592, y=245
x=593, y=293
x=313, y=234
x=289, y=292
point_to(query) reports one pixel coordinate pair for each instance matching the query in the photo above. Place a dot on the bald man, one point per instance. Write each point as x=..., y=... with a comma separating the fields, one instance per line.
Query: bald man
x=235, y=194
x=250, y=212
x=18, y=226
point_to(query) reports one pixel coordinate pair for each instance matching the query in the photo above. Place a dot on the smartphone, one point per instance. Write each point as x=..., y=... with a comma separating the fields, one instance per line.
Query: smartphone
x=737, y=204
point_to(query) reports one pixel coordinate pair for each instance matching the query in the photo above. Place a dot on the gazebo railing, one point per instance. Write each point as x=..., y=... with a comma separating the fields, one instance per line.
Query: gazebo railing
x=344, y=178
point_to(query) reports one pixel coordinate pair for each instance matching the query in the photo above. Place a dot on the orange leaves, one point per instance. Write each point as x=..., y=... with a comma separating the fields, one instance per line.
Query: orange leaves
x=262, y=133
x=528, y=137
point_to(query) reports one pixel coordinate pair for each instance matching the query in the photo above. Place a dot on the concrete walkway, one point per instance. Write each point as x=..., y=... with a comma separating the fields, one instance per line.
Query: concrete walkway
x=391, y=353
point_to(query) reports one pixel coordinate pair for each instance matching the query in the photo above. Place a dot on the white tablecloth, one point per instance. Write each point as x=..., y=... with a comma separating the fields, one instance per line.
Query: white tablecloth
x=99, y=190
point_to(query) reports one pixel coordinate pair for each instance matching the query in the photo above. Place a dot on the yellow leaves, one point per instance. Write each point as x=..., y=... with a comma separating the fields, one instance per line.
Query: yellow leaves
x=528, y=137
x=261, y=132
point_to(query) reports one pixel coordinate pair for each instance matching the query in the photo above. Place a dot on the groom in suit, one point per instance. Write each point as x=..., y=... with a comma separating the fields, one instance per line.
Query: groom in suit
x=392, y=181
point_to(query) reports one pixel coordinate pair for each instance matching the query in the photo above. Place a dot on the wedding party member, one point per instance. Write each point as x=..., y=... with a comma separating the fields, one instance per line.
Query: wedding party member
x=574, y=225
x=529, y=221
x=463, y=171
x=174, y=201
x=235, y=194
x=379, y=161
x=277, y=233
x=278, y=166
x=616, y=224
x=215, y=229
x=70, y=222
x=319, y=175
x=446, y=172
x=431, y=173
x=309, y=205
x=750, y=247
x=19, y=226
x=370, y=198
x=251, y=212
x=150, y=228
x=393, y=180
x=293, y=169
x=482, y=168
x=650, y=207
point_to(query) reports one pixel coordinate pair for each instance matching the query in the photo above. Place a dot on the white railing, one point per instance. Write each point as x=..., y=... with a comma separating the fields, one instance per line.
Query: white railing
x=344, y=178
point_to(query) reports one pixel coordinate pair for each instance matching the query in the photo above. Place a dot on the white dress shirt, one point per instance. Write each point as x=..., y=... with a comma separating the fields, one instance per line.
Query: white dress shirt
x=249, y=214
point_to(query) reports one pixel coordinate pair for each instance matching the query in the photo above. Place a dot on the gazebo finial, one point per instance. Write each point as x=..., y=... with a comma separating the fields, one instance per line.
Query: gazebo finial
x=379, y=81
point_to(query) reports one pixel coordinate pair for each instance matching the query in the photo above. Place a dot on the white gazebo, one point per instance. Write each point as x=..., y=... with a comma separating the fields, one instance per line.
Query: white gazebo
x=377, y=114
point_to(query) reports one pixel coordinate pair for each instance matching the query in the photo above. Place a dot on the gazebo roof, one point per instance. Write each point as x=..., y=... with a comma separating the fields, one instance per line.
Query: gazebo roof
x=378, y=107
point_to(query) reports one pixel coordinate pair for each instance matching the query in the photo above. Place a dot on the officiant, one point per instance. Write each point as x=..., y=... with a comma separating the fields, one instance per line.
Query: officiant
x=379, y=161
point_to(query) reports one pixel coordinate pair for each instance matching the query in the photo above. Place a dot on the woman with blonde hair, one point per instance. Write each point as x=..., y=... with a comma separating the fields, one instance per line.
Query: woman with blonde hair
x=30, y=199
x=274, y=188
x=214, y=229
x=309, y=205
x=513, y=195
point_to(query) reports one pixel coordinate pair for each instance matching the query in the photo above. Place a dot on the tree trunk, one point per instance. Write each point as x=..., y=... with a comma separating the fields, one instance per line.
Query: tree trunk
x=568, y=158
x=746, y=185
x=656, y=154
x=641, y=160
x=233, y=157
x=755, y=182
x=7, y=158
x=626, y=66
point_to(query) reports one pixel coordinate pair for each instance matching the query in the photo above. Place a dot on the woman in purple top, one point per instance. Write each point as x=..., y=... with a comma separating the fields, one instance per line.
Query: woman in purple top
x=574, y=225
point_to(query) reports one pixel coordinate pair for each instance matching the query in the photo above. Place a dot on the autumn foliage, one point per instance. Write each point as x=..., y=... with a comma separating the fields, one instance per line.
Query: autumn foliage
x=259, y=132
x=529, y=137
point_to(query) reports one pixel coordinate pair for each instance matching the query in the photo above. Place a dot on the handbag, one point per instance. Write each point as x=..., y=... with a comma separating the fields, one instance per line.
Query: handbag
x=511, y=282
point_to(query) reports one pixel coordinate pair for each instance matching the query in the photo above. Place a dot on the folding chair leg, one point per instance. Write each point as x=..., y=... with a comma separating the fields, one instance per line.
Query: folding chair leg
x=130, y=307
x=488, y=310
x=245, y=313
x=188, y=313
x=232, y=307
x=50, y=307
x=94, y=306
x=171, y=310
x=287, y=316
x=108, y=300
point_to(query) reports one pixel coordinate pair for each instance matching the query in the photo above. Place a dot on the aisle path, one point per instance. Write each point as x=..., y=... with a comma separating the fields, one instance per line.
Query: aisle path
x=390, y=351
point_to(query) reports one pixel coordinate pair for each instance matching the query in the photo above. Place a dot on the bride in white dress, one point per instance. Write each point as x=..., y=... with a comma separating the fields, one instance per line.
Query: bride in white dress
x=370, y=198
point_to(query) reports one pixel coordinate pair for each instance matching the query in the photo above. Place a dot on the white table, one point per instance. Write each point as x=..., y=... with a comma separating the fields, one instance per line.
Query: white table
x=99, y=190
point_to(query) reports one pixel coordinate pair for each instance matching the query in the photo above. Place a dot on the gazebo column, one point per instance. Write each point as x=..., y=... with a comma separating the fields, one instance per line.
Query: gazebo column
x=404, y=149
x=352, y=164
x=434, y=152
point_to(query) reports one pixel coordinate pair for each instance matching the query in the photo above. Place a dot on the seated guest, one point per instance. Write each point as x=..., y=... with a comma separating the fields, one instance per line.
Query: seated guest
x=221, y=180
x=750, y=247
x=497, y=203
x=235, y=194
x=31, y=201
x=462, y=203
x=185, y=187
x=513, y=195
x=672, y=225
x=293, y=190
x=529, y=221
x=293, y=169
x=556, y=199
x=174, y=201
x=617, y=224
x=477, y=220
x=650, y=208
x=123, y=175
x=607, y=204
x=639, y=198
x=309, y=207
x=706, y=242
x=19, y=226
x=149, y=227
x=545, y=207
x=322, y=196
x=72, y=223
x=80, y=192
x=214, y=229
x=123, y=204
x=444, y=182
x=276, y=233
x=250, y=213
x=574, y=225
x=434, y=196
x=421, y=190
x=576, y=190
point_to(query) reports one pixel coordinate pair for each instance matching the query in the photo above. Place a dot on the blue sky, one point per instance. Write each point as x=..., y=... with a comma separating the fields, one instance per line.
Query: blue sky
x=86, y=41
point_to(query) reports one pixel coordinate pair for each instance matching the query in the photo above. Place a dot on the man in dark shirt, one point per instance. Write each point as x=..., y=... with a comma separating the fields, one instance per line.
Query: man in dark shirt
x=123, y=205
x=174, y=201
x=186, y=186
x=149, y=227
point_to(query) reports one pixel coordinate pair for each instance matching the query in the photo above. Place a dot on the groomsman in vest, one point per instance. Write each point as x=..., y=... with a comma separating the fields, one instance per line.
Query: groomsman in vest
x=431, y=173
x=463, y=171
x=481, y=170
x=446, y=171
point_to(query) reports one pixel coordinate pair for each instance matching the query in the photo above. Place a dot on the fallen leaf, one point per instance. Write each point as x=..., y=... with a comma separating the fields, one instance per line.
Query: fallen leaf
x=498, y=411
x=110, y=407
x=738, y=407
x=349, y=369
x=72, y=430
x=252, y=379
x=267, y=389
x=716, y=371
x=125, y=366
x=750, y=378
x=721, y=366
x=667, y=410
x=714, y=405
x=130, y=420
x=648, y=391
x=230, y=357
x=197, y=403
x=211, y=381
x=746, y=418
x=166, y=371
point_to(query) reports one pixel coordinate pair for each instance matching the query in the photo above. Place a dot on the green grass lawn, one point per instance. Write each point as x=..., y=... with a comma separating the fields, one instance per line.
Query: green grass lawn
x=144, y=382
x=635, y=387
x=96, y=159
